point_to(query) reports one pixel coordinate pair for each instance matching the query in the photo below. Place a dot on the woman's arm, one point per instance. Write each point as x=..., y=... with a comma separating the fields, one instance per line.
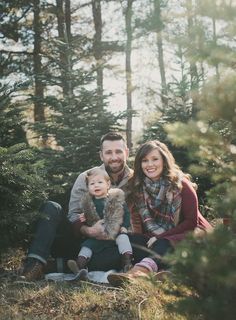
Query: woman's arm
x=189, y=211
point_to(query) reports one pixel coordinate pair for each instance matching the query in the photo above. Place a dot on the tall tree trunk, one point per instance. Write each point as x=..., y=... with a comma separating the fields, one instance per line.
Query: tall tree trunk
x=39, y=114
x=194, y=77
x=191, y=36
x=64, y=33
x=68, y=39
x=128, y=71
x=215, y=43
x=157, y=14
x=97, y=48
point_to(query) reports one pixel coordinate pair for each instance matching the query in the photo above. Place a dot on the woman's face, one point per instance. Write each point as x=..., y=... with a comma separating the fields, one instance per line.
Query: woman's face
x=152, y=165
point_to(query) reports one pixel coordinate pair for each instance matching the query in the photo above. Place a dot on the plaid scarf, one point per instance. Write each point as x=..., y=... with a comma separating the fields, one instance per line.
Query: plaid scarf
x=159, y=205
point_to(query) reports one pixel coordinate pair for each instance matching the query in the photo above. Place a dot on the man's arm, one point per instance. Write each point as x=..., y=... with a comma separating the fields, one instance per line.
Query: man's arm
x=78, y=190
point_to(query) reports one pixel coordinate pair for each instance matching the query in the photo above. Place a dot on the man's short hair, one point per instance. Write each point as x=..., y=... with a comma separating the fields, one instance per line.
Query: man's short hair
x=111, y=136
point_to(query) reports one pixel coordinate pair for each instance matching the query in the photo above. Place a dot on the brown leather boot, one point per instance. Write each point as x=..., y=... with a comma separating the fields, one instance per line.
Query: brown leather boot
x=32, y=270
x=118, y=279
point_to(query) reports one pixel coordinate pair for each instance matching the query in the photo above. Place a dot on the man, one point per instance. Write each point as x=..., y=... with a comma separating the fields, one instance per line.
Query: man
x=56, y=234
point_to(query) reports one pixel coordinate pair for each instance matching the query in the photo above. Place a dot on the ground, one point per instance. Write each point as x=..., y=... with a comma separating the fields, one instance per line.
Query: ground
x=80, y=300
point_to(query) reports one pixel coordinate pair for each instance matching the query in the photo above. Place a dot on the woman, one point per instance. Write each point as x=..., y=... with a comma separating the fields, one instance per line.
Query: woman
x=163, y=206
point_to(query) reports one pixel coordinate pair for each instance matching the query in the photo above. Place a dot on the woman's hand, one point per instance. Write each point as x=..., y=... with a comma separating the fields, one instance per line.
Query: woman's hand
x=151, y=241
x=158, y=231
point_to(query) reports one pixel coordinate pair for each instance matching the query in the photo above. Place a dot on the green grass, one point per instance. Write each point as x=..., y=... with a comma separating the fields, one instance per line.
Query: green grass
x=143, y=299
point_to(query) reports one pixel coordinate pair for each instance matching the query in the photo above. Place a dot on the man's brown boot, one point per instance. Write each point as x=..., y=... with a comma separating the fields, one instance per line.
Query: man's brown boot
x=32, y=270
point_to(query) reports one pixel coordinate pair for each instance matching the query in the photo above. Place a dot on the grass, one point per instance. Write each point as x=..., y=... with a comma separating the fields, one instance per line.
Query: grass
x=142, y=300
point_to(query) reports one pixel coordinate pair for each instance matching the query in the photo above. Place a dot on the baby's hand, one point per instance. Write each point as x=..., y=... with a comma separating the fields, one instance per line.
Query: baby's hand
x=123, y=230
x=151, y=241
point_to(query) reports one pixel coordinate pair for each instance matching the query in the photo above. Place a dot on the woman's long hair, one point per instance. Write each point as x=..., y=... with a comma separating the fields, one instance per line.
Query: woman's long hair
x=171, y=170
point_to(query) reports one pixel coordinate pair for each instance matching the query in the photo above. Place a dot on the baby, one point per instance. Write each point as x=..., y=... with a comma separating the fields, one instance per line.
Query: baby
x=101, y=202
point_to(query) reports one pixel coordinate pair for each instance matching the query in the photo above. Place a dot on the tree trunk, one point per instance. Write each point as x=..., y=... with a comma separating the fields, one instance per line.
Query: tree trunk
x=39, y=114
x=215, y=42
x=128, y=71
x=194, y=77
x=157, y=14
x=64, y=33
x=97, y=48
x=191, y=36
x=68, y=39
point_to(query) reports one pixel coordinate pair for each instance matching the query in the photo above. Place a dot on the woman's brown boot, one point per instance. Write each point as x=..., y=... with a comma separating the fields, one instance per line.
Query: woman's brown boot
x=118, y=279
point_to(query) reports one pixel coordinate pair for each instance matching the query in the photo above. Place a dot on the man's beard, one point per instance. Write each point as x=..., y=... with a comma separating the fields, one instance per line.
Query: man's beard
x=110, y=170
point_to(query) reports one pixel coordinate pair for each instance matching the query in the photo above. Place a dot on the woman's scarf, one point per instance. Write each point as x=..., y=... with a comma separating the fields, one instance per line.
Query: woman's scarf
x=159, y=205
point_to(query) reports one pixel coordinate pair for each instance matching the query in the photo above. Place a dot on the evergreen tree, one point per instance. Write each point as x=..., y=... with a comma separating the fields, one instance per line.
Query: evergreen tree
x=208, y=263
x=22, y=187
x=211, y=139
x=11, y=129
x=206, y=266
x=75, y=121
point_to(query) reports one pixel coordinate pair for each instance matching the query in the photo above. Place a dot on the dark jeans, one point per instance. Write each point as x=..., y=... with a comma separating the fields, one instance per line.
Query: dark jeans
x=160, y=248
x=54, y=236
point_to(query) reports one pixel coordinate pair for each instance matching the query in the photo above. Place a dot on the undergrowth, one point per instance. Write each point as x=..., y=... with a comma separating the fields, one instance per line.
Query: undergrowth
x=145, y=300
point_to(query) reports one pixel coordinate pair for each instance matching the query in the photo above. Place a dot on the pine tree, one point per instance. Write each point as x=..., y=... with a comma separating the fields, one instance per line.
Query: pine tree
x=211, y=139
x=22, y=187
x=207, y=265
x=75, y=121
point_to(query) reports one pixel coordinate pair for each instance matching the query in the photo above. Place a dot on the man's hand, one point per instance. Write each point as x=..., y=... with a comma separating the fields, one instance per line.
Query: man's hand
x=96, y=231
x=82, y=218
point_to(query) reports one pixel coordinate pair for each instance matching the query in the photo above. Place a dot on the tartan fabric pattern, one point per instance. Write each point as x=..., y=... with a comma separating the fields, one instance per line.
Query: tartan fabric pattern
x=159, y=205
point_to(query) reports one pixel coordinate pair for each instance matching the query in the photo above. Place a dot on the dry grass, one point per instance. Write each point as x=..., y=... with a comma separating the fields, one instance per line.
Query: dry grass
x=142, y=300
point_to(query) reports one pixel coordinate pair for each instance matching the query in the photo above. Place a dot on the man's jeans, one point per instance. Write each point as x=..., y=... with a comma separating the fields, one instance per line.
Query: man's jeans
x=50, y=217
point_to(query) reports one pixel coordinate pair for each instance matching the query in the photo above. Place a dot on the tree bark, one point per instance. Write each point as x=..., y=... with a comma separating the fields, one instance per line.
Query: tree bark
x=194, y=77
x=215, y=42
x=97, y=48
x=64, y=33
x=128, y=71
x=157, y=14
x=191, y=36
x=39, y=113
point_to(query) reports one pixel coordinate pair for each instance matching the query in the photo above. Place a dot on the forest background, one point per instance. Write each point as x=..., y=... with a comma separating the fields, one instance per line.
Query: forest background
x=155, y=69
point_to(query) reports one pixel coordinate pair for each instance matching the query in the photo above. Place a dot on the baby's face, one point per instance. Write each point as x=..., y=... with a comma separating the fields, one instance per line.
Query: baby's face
x=98, y=186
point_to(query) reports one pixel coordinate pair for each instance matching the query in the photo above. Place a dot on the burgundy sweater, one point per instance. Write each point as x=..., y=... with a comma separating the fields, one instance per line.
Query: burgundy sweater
x=190, y=217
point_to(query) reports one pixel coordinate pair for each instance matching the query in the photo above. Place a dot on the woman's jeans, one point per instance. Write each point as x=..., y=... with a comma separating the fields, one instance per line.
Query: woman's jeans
x=54, y=237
